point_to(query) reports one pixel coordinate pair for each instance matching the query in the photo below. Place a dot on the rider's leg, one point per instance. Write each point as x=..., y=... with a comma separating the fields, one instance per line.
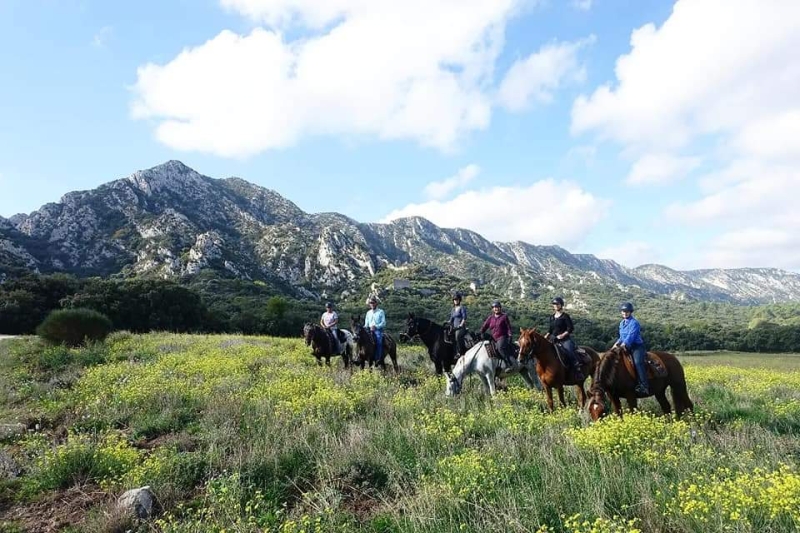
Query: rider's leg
x=504, y=347
x=459, y=347
x=569, y=347
x=639, y=355
x=378, y=345
x=337, y=346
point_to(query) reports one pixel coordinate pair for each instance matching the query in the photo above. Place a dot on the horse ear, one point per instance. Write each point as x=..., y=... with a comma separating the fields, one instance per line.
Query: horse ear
x=411, y=315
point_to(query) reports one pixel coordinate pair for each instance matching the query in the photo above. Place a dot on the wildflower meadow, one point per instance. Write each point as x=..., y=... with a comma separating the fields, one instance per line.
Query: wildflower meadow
x=248, y=434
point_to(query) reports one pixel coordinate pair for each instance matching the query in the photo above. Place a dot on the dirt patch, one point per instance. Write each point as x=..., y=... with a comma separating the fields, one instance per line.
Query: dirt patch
x=55, y=511
x=182, y=442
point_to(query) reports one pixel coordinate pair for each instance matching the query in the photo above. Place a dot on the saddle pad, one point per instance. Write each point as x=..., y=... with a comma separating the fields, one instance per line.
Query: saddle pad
x=655, y=366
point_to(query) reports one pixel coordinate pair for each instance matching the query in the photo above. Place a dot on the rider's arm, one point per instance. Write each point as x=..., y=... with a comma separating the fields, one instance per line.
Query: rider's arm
x=463, y=316
x=485, y=325
x=335, y=321
x=380, y=319
x=322, y=321
x=631, y=332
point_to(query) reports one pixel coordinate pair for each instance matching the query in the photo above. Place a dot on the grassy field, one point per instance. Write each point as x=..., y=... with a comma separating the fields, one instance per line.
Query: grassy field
x=248, y=434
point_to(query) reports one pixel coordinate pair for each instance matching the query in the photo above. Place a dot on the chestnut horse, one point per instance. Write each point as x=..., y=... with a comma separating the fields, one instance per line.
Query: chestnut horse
x=612, y=378
x=552, y=374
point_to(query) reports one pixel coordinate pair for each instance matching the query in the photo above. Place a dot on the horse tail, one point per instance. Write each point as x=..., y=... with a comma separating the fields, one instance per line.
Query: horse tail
x=676, y=378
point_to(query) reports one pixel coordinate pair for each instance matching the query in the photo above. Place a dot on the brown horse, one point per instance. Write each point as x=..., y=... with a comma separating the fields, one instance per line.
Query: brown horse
x=549, y=368
x=613, y=378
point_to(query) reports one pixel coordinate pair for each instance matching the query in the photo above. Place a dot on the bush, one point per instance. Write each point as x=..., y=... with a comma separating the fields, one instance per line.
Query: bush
x=74, y=326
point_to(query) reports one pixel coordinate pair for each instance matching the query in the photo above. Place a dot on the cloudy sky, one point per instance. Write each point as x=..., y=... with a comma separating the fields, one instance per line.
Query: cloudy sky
x=646, y=131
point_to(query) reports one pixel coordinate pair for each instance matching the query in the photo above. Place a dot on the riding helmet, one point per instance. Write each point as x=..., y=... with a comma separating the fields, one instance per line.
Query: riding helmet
x=558, y=300
x=496, y=303
x=329, y=305
x=457, y=296
x=372, y=300
x=627, y=306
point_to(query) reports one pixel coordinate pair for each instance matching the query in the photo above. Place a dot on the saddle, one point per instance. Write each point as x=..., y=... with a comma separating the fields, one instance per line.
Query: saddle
x=655, y=366
x=584, y=359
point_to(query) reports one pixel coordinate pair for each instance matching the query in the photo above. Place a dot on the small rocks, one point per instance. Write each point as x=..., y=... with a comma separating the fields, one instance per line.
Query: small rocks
x=9, y=469
x=8, y=431
x=137, y=502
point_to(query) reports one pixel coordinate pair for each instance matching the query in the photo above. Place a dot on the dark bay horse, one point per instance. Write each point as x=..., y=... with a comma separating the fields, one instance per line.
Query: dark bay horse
x=316, y=337
x=442, y=354
x=613, y=378
x=365, y=347
x=552, y=373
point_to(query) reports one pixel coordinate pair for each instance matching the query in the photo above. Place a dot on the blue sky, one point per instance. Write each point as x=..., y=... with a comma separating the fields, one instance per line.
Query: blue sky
x=640, y=131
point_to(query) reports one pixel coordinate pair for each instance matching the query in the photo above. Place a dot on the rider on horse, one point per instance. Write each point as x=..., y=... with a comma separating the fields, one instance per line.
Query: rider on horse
x=560, y=333
x=501, y=333
x=375, y=321
x=630, y=338
x=330, y=321
x=458, y=323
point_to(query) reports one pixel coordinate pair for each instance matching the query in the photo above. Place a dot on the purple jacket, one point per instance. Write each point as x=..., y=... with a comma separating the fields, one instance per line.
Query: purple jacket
x=499, y=325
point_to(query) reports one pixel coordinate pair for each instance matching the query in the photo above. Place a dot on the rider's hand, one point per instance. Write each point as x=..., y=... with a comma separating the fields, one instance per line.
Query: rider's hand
x=372, y=328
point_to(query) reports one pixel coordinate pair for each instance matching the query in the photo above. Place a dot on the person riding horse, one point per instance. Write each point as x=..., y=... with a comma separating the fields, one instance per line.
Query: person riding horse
x=330, y=321
x=630, y=338
x=375, y=321
x=500, y=327
x=458, y=324
x=560, y=333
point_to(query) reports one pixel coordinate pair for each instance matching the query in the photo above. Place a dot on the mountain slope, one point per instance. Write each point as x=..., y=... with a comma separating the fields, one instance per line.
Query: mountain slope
x=170, y=221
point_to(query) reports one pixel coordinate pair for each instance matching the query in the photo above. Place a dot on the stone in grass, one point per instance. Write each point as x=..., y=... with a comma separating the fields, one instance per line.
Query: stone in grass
x=137, y=502
x=9, y=469
x=8, y=431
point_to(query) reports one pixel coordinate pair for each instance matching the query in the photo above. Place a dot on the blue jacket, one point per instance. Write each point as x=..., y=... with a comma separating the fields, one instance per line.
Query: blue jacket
x=375, y=318
x=458, y=315
x=630, y=333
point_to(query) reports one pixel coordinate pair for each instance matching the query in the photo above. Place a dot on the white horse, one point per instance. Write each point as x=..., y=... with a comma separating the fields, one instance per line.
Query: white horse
x=477, y=360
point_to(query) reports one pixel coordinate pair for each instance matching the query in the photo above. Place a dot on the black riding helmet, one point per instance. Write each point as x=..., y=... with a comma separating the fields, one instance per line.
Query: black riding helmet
x=457, y=296
x=558, y=300
x=627, y=306
x=329, y=305
x=497, y=303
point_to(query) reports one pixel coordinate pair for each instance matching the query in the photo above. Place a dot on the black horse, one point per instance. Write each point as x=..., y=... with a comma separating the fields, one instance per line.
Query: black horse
x=365, y=347
x=322, y=345
x=442, y=352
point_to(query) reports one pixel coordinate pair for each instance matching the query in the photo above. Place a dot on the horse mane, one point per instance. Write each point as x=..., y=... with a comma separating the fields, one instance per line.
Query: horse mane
x=607, y=368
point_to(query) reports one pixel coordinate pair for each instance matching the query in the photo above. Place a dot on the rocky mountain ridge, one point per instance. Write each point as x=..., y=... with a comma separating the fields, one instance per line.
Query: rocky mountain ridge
x=170, y=221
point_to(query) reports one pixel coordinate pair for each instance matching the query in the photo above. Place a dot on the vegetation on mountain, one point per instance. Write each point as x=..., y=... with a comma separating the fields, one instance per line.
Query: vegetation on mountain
x=208, y=303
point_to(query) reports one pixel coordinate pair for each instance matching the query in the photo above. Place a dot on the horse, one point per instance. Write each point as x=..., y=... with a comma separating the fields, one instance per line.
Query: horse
x=618, y=381
x=551, y=371
x=477, y=360
x=365, y=347
x=433, y=336
x=320, y=342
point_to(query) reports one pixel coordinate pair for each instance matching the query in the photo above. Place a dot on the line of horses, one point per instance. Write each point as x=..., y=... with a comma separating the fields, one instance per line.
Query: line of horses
x=539, y=364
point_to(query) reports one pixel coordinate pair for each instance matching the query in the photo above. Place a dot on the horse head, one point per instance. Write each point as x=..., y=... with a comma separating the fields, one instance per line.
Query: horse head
x=308, y=333
x=597, y=404
x=530, y=343
x=411, y=326
x=453, y=385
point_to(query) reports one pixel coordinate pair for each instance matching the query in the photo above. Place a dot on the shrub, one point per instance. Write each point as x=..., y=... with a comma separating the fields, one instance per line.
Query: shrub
x=74, y=326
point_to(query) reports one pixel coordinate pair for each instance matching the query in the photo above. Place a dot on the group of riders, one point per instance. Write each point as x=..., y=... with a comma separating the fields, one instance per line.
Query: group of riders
x=498, y=325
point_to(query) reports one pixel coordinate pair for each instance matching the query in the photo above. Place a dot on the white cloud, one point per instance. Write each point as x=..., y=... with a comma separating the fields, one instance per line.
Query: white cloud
x=722, y=75
x=417, y=70
x=661, y=168
x=583, y=5
x=631, y=253
x=439, y=189
x=538, y=76
x=101, y=37
x=546, y=212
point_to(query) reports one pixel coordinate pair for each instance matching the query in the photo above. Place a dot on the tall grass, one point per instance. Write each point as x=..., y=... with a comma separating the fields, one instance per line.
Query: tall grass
x=248, y=434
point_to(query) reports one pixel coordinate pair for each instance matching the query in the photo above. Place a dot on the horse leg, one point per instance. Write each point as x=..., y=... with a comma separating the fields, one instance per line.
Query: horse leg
x=561, y=396
x=319, y=360
x=549, y=393
x=661, y=397
x=438, y=365
x=527, y=377
x=488, y=381
x=581, y=395
x=633, y=403
x=615, y=401
x=327, y=360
